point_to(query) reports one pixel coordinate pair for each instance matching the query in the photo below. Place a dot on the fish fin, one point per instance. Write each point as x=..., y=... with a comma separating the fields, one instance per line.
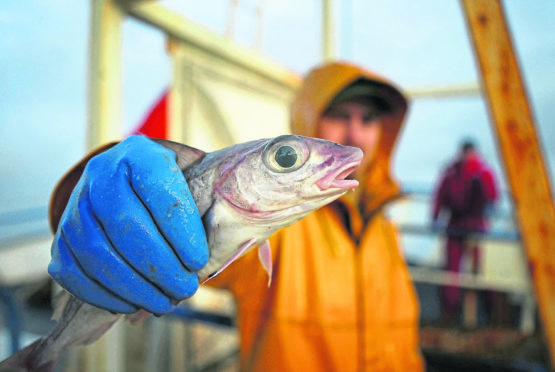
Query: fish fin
x=97, y=333
x=185, y=155
x=265, y=256
x=138, y=316
x=22, y=361
x=237, y=254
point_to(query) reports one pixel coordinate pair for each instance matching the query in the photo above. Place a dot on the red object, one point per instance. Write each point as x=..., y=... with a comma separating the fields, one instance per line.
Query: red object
x=466, y=189
x=156, y=123
x=456, y=248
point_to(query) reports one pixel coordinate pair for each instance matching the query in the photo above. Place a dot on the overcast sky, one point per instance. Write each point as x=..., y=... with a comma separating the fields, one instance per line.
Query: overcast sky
x=43, y=67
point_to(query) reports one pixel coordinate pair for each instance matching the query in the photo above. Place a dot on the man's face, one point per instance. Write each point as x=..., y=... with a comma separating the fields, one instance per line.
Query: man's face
x=352, y=123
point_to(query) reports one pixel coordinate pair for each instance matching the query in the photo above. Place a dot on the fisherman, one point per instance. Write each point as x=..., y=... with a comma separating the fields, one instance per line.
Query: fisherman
x=341, y=298
x=466, y=191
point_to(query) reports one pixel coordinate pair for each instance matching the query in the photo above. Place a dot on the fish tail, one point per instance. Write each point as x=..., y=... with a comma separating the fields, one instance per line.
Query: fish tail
x=24, y=361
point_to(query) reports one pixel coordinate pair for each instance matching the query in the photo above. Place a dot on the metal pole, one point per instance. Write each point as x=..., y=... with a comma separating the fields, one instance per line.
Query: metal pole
x=181, y=92
x=231, y=17
x=104, y=123
x=328, y=30
x=104, y=98
x=12, y=317
x=522, y=156
x=259, y=31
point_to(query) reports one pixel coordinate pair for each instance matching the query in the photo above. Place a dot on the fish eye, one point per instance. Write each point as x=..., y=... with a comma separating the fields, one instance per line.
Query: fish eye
x=285, y=154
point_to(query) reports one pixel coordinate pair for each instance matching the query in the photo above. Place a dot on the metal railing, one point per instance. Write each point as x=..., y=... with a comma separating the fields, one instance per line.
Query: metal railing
x=420, y=274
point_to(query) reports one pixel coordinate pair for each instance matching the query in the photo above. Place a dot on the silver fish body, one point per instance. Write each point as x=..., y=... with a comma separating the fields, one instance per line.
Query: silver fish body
x=244, y=194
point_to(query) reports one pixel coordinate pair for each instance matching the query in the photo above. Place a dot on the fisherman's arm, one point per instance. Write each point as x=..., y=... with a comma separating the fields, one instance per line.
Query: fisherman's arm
x=115, y=245
x=490, y=186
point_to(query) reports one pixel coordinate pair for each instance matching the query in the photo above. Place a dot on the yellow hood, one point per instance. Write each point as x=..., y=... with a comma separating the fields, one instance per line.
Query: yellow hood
x=318, y=90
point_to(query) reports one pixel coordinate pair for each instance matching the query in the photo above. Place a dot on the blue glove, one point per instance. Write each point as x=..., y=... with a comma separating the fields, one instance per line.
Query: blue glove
x=130, y=237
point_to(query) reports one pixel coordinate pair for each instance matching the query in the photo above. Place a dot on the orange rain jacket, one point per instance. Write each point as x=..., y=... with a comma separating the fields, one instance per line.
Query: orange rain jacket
x=341, y=297
x=339, y=300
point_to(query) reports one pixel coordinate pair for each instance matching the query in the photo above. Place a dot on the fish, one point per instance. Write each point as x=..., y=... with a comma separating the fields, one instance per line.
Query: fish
x=244, y=194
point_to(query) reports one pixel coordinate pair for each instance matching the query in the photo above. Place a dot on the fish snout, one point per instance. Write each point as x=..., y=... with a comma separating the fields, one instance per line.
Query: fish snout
x=346, y=160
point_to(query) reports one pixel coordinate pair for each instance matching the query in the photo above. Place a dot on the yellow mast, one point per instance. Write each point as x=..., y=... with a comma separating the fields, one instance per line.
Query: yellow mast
x=522, y=157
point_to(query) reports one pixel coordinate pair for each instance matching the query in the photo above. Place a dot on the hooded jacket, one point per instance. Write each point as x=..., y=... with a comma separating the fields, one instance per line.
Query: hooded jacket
x=466, y=189
x=341, y=298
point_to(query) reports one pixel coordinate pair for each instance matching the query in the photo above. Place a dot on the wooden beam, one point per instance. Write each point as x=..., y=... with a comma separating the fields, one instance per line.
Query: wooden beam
x=519, y=145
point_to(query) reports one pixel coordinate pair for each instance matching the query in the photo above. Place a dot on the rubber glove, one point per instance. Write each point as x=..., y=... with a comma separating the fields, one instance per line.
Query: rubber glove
x=131, y=236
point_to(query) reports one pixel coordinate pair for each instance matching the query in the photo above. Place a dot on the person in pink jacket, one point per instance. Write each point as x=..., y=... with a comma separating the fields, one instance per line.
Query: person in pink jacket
x=466, y=191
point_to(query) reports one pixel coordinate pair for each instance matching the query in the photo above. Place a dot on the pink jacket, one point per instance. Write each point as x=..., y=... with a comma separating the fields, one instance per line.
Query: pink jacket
x=466, y=189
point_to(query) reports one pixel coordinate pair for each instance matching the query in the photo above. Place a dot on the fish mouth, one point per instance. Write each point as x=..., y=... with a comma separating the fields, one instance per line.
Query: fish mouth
x=336, y=179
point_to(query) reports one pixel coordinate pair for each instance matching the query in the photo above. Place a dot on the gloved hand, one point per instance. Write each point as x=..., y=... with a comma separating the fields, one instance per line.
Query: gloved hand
x=130, y=237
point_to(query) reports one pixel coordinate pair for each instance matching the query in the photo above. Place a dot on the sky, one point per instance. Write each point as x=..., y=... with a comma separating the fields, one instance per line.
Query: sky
x=43, y=75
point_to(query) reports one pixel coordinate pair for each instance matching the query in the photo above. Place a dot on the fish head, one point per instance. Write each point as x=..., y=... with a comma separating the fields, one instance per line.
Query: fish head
x=278, y=181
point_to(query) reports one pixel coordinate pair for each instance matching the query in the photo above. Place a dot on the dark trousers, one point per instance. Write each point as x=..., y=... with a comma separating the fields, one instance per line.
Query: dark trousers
x=456, y=248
